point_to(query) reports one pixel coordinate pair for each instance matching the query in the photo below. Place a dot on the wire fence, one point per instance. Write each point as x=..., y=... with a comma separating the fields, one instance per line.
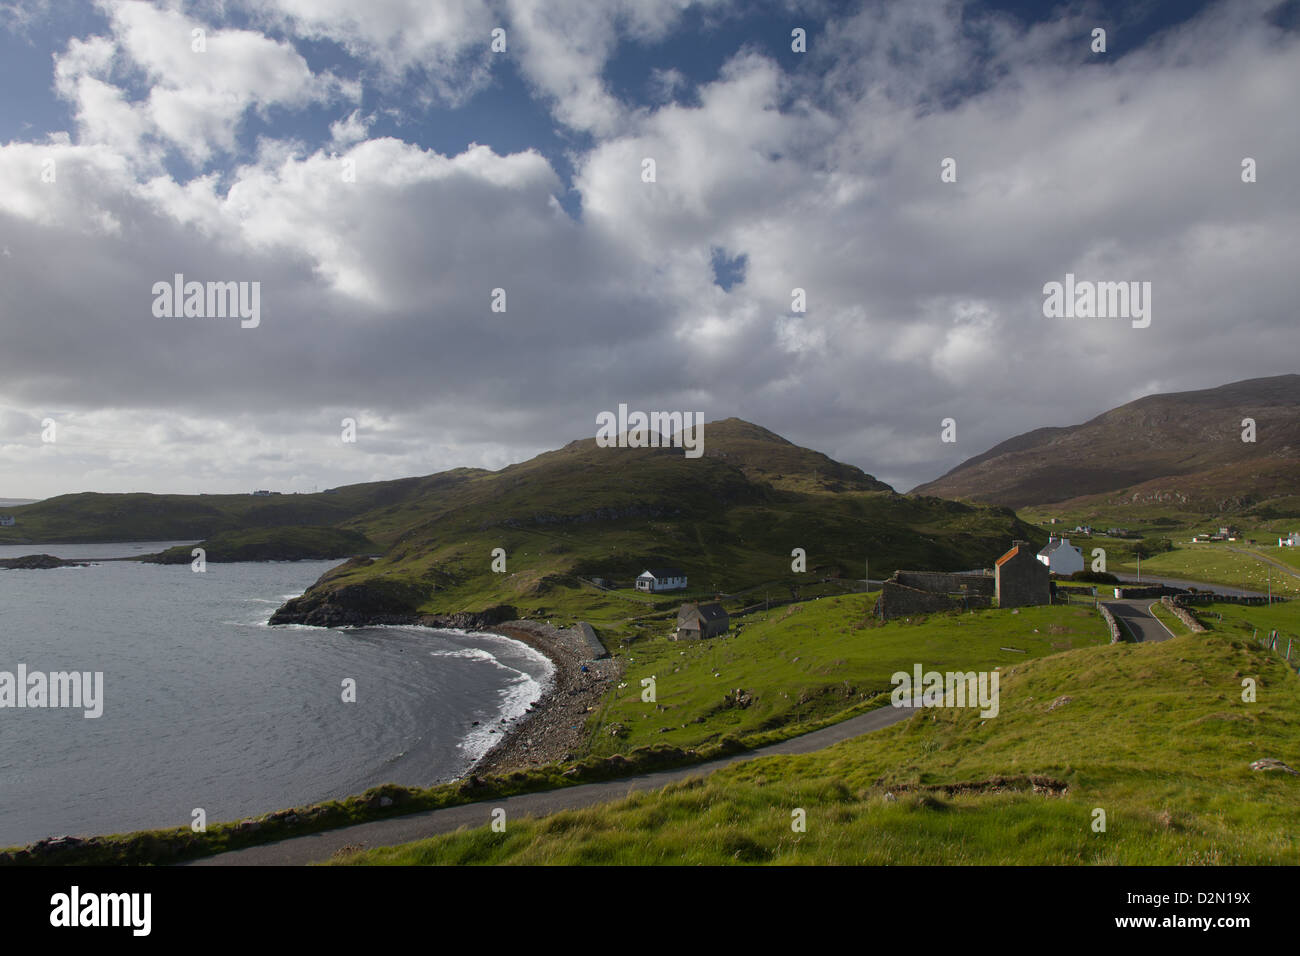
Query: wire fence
x=1075, y=596
x=1283, y=645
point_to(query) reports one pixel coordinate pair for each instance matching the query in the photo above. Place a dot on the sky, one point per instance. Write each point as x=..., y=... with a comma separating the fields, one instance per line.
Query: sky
x=381, y=170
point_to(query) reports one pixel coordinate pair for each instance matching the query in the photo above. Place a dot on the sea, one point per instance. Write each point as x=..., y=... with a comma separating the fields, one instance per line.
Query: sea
x=206, y=707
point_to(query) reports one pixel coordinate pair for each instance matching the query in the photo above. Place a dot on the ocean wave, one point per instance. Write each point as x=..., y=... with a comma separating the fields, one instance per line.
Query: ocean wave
x=469, y=653
x=515, y=700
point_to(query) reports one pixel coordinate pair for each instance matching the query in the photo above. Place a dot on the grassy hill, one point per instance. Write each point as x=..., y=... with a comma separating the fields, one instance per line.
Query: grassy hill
x=1155, y=735
x=811, y=661
x=92, y=516
x=1182, y=450
x=584, y=511
x=271, y=544
x=730, y=518
x=767, y=457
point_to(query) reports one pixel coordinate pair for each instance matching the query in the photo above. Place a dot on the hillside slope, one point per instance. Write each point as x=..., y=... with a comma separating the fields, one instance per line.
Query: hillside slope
x=730, y=519
x=94, y=516
x=1183, y=447
x=1154, y=735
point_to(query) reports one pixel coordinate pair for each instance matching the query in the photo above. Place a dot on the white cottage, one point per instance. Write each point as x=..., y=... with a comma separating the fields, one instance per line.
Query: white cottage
x=1290, y=541
x=6, y=521
x=661, y=579
x=1061, y=557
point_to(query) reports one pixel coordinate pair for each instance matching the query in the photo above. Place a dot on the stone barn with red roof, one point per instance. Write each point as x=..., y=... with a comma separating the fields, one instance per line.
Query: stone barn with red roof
x=1021, y=580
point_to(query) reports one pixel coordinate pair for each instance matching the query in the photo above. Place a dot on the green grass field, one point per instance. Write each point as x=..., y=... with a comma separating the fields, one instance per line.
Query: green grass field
x=1157, y=736
x=1254, y=623
x=809, y=661
x=1214, y=564
x=1288, y=556
x=1169, y=619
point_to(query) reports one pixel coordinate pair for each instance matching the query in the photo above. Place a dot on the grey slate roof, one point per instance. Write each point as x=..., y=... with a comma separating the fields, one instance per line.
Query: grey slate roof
x=666, y=572
x=712, y=612
x=707, y=613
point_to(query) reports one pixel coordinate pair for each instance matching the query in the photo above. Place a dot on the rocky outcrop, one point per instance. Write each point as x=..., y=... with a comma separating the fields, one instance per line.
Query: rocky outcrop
x=470, y=620
x=378, y=602
x=1272, y=763
x=344, y=605
x=39, y=562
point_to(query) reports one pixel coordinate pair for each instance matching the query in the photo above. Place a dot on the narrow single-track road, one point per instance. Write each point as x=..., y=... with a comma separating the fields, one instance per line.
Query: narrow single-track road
x=318, y=847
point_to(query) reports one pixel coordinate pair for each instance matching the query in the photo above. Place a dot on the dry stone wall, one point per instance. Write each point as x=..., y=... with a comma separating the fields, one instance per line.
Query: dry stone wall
x=943, y=583
x=1184, y=615
x=1115, y=636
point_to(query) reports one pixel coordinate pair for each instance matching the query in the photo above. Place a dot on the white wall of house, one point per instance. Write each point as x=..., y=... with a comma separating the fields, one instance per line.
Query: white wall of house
x=1064, y=560
x=648, y=582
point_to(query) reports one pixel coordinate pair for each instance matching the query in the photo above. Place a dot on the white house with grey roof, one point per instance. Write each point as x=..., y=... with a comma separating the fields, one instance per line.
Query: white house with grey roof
x=1061, y=557
x=661, y=579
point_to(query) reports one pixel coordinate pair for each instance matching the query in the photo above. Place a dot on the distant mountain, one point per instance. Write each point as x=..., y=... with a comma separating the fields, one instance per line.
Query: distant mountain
x=731, y=519
x=1183, y=448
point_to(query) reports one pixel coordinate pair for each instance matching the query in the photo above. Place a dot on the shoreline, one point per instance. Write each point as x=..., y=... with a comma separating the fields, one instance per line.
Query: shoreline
x=554, y=729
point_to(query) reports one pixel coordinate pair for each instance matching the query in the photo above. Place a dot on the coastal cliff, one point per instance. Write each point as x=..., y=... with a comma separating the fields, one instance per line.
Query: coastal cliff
x=376, y=601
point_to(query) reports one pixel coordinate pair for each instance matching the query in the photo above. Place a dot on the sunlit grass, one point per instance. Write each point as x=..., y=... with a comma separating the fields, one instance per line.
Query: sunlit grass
x=1155, y=735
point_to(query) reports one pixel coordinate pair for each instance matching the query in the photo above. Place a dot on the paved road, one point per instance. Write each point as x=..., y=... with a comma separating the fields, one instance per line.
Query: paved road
x=1148, y=579
x=1136, y=617
x=317, y=847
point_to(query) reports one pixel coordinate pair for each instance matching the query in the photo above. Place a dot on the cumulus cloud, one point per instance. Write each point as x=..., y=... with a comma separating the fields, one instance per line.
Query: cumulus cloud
x=446, y=42
x=197, y=83
x=378, y=258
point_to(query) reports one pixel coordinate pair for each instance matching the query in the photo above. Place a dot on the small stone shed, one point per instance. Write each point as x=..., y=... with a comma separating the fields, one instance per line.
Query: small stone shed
x=701, y=620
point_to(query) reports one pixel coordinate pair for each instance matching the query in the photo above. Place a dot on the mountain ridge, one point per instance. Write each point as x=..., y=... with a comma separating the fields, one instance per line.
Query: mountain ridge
x=1190, y=443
